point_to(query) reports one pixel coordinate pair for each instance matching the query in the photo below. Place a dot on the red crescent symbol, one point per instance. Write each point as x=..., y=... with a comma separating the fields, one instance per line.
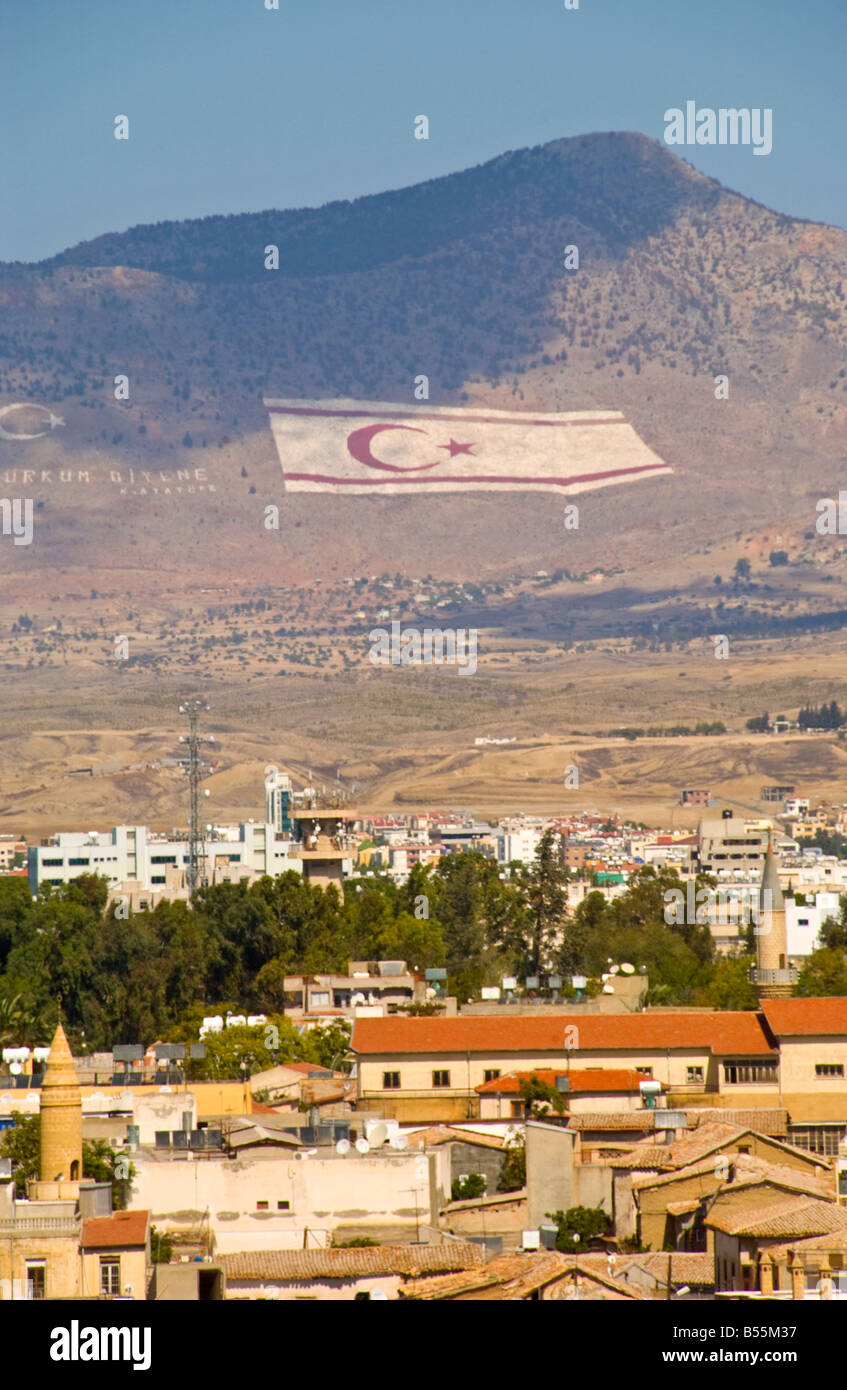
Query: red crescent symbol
x=359, y=445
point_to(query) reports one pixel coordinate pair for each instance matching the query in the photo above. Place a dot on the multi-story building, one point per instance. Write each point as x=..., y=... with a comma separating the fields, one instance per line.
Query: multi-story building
x=378, y=987
x=133, y=855
x=10, y=848
x=790, y=1054
x=731, y=846
x=518, y=840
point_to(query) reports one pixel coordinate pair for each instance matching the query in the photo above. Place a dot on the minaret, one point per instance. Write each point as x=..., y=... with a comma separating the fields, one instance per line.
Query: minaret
x=771, y=974
x=61, y=1116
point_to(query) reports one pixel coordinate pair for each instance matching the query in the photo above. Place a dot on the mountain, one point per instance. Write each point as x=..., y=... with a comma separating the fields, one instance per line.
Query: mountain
x=460, y=278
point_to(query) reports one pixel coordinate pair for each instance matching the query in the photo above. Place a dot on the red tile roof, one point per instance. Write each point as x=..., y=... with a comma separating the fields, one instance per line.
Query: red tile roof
x=294, y=1265
x=724, y=1034
x=610, y=1079
x=115, y=1232
x=806, y=1017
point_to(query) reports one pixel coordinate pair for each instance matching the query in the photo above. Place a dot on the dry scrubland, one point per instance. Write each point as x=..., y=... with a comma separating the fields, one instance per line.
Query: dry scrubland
x=404, y=738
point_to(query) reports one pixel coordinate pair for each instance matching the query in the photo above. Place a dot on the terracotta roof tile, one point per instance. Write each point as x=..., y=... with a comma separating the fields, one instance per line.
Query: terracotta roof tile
x=806, y=1017
x=833, y=1240
x=640, y=1121
x=724, y=1034
x=798, y=1216
x=512, y=1277
x=452, y=1134
x=301, y=1265
x=773, y=1122
x=644, y=1157
x=121, y=1229
x=747, y=1170
x=685, y=1268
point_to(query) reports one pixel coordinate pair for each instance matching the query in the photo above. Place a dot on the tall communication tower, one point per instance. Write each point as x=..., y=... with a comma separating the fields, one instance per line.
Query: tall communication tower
x=196, y=769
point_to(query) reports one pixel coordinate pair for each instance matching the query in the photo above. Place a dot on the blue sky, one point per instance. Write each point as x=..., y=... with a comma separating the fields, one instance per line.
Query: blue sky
x=234, y=108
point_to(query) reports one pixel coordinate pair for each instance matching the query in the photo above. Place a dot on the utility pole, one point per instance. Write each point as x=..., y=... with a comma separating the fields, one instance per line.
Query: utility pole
x=196, y=769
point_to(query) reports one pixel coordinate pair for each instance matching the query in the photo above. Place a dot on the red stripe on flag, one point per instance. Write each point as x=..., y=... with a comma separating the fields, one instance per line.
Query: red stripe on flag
x=478, y=478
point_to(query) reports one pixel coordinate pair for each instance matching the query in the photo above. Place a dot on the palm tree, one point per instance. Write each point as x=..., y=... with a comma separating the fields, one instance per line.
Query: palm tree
x=17, y=1020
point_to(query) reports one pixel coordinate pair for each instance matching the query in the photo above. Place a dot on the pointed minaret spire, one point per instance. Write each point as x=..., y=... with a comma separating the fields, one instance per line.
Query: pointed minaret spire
x=771, y=974
x=61, y=1115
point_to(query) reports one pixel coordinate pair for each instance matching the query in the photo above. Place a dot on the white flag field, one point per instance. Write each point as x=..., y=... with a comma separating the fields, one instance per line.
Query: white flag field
x=354, y=447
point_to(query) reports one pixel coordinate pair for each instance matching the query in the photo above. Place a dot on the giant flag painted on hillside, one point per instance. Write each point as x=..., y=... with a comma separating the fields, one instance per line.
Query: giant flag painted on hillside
x=355, y=447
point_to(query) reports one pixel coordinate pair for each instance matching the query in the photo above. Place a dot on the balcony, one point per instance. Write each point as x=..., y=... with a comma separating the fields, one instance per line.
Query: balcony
x=758, y=976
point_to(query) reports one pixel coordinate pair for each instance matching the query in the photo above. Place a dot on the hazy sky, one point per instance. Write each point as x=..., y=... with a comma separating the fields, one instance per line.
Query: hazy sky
x=234, y=108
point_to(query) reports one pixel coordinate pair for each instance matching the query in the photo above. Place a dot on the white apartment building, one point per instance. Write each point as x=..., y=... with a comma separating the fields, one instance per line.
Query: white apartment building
x=803, y=922
x=132, y=854
x=518, y=840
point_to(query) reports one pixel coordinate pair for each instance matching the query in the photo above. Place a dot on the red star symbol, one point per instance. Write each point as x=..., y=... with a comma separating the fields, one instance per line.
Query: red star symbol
x=456, y=448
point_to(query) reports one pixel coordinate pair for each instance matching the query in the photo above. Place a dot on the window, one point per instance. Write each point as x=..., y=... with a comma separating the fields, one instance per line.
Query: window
x=262, y=1206
x=829, y=1069
x=644, y=1071
x=441, y=1078
x=817, y=1139
x=517, y=1109
x=743, y=1073
x=162, y=858
x=52, y=863
x=694, y=1073
x=319, y=999
x=158, y=878
x=110, y=1275
x=391, y=1080
x=490, y=1075
x=35, y=1278
x=283, y=1206
x=79, y=863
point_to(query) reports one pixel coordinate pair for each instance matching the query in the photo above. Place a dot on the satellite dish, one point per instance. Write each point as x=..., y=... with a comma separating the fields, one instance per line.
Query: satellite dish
x=343, y=1147
x=613, y=969
x=608, y=989
x=362, y=1146
x=378, y=1135
x=15, y=1068
x=626, y=968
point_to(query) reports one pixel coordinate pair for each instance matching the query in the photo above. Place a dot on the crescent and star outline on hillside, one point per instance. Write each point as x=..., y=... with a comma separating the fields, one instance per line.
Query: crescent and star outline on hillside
x=359, y=445
x=53, y=421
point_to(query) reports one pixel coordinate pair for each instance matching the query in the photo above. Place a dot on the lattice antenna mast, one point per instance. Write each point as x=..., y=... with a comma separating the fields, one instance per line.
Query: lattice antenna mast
x=196, y=770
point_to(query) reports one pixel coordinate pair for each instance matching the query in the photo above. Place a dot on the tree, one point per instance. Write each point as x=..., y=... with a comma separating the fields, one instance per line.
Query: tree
x=833, y=932
x=459, y=906
x=105, y=1164
x=161, y=1247
x=759, y=724
x=539, y=1097
x=545, y=895
x=742, y=569
x=22, y=1144
x=18, y=1023
x=513, y=1171
x=465, y=1189
x=824, y=973
x=578, y=1226
x=729, y=987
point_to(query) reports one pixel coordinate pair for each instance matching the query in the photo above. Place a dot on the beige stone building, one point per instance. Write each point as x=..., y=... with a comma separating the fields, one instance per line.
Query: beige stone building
x=55, y=1244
